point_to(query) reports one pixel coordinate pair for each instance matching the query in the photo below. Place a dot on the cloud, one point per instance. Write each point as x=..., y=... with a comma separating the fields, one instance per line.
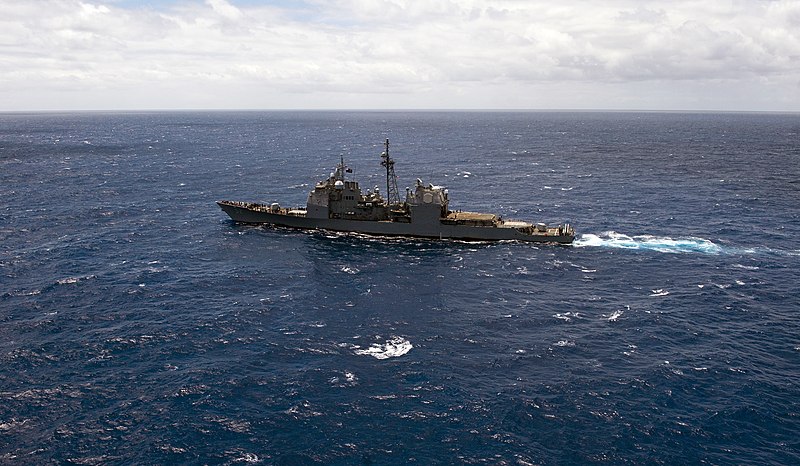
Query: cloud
x=225, y=9
x=357, y=53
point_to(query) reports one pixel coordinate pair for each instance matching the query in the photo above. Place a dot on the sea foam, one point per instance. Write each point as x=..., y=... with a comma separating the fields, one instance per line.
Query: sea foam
x=392, y=348
x=666, y=244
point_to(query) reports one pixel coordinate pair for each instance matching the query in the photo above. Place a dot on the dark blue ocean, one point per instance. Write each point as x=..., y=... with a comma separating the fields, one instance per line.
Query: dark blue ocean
x=139, y=325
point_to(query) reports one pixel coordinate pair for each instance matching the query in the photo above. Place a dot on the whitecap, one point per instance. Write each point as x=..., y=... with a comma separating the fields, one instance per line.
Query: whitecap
x=746, y=267
x=564, y=343
x=615, y=315
x=71, y=280
x=347, y=379
x=247, y=458
x=27, y=293
x=392, y=348
x=567, y=316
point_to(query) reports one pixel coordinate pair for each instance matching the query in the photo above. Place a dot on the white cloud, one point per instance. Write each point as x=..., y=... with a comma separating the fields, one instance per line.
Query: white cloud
x=225, y=9
x=679, y=54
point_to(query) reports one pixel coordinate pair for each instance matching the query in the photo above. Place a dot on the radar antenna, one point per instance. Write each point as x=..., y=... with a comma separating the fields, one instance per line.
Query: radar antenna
x=392, y=196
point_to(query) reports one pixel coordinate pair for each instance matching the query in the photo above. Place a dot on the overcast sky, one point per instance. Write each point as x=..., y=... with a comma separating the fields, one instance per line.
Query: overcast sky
x=400, y=54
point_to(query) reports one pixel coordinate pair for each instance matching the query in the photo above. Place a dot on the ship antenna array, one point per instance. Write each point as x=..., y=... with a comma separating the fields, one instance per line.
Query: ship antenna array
x=392, y=195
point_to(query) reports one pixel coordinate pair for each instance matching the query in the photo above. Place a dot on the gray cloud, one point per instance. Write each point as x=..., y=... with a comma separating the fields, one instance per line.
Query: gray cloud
x=401, y=53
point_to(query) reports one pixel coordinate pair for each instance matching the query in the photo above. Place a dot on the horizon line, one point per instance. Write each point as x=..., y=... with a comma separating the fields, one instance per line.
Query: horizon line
x=397, y=110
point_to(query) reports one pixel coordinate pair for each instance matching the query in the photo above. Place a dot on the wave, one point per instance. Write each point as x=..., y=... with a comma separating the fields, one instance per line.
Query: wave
x=613, y=239
x=392, y=348
x=71, y=280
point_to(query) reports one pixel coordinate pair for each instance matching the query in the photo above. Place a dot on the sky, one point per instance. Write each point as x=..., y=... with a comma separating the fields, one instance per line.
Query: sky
x=708, y=55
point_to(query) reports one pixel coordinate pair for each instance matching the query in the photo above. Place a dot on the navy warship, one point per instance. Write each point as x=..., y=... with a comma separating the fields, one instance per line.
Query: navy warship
x=339, y=204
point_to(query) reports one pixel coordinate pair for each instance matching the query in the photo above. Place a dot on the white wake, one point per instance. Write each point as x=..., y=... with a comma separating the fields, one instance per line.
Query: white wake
x=613, y=239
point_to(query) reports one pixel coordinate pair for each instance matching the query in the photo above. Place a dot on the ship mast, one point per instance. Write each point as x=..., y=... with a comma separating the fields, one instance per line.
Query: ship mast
x=392, y=196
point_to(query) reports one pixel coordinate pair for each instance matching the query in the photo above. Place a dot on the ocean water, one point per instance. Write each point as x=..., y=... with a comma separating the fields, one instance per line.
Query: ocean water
x=139, y=325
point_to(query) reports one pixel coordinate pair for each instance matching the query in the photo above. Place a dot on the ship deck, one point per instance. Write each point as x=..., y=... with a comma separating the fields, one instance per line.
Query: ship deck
x=471, y=216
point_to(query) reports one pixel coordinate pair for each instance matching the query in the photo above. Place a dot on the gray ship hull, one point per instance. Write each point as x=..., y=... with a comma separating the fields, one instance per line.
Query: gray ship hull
x=261, y=214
